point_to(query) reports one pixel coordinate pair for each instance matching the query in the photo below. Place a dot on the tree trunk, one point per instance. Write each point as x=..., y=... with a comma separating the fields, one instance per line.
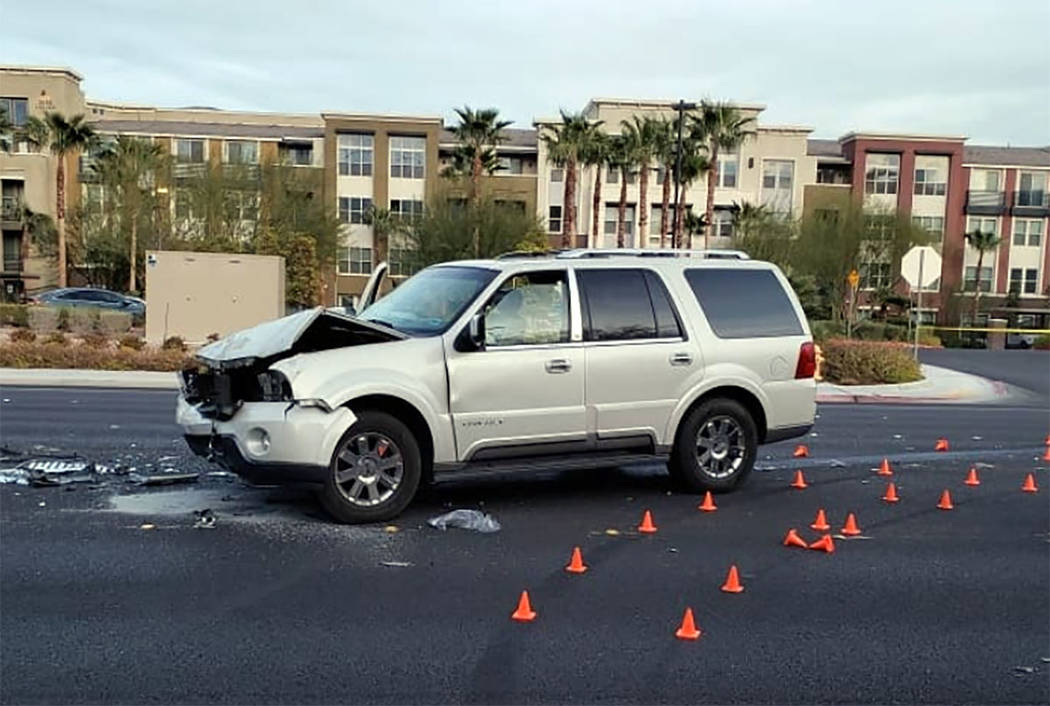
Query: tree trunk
x=134, y=253
x=621, y=209
x=709, y=212
x=475, y=196
x=596, y=205
x=665, y=209
x=568, y=234
x=977, y=292
x=643, y=205
x=60, y=217
x=679, y=218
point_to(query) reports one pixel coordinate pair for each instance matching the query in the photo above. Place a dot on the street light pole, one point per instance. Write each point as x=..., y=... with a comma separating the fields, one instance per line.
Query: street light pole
x=681, y=106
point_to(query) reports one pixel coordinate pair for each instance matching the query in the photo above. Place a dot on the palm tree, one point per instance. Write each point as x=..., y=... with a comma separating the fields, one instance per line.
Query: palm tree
x=621, y=157
x=62, y=137
x=129, y=164
x=478, y=132
x=645, y=138
x=722, y=127
x=384, y=224
x=597, y=155
x=665, y=151
x=462, y=162
x=567, y=143
x=7, y=132
x=982, y=242
x=695, y=163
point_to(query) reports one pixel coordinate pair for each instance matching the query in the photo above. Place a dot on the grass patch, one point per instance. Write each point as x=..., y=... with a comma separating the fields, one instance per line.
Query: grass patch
x=868, y=363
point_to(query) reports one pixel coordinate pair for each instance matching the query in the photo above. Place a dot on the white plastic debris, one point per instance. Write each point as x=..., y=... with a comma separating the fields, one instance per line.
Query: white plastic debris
x=396, y=564
x=14, y=475
x=473, y=520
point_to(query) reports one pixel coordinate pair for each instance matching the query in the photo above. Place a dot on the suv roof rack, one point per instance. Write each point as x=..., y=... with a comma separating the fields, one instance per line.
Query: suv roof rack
x=528, y=253
x=582, y=253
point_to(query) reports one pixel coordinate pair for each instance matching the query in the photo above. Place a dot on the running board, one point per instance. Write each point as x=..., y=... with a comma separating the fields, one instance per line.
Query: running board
x=550, y=463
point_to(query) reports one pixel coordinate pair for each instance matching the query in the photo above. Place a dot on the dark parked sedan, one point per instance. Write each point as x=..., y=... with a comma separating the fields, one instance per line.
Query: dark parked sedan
x=91, y=297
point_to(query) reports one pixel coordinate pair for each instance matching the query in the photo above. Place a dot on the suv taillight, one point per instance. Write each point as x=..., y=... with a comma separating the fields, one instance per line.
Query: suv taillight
x=807, y=361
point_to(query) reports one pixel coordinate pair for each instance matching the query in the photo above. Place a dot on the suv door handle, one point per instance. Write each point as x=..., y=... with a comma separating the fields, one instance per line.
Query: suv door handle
x=681, y=359
x=558, y=365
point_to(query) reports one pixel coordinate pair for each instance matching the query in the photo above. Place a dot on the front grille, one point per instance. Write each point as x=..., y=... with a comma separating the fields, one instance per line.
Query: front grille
x=211, y=391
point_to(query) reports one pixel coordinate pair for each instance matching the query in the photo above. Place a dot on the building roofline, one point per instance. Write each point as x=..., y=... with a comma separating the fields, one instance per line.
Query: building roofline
x=42, y=69
x=391, y=117
x=875, y=135
x=785, y=128
x=664, y=102
x=197, y=110
x=1005, y=165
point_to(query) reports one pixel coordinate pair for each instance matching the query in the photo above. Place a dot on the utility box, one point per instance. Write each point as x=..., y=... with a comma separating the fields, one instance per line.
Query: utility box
x=195, y=294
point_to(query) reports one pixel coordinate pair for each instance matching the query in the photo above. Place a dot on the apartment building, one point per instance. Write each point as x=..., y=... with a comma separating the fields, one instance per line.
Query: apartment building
x=771, y=169
x=950, y=189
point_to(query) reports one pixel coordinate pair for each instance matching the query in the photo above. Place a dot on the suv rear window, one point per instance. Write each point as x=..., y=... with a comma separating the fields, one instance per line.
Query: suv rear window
x=625, y=304
x=741, y=303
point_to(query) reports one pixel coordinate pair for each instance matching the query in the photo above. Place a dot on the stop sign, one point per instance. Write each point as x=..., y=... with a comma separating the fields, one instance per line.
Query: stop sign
x=930, y=262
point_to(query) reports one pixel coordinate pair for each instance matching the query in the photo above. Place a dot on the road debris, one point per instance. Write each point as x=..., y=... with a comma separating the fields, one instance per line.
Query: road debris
x=147, y=526
x=205, y=519
x=391, y=529
x=1024, y=670
x=473, y=520
x=396, y=564
x=17, y=476
x=162, y=478
x=611, y=532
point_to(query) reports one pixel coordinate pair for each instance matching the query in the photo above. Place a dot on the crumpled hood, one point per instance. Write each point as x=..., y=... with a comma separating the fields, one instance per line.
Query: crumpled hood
x=314, y=329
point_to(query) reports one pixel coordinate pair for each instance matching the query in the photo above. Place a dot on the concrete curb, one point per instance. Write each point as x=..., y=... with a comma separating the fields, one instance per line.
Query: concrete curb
x=45, y=377
x=939, y=386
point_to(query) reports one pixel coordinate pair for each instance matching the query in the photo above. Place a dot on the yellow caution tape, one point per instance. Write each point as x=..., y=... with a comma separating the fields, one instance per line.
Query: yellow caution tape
x=959, y=329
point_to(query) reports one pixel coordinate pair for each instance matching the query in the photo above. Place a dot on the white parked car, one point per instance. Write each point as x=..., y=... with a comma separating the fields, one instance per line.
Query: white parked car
x=577, y=358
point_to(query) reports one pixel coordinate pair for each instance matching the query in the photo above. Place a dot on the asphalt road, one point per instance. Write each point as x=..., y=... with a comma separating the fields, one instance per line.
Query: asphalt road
x=277, y=605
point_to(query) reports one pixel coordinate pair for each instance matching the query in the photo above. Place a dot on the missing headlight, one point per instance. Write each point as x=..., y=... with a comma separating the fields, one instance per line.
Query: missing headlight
x=274, y=386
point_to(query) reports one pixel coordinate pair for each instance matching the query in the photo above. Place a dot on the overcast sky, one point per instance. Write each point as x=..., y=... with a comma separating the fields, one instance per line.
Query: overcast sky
x=960, y=67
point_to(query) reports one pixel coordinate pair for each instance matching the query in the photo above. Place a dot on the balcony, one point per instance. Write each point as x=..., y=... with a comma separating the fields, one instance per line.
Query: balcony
x=188, y=170
x=985, y=203
x=1031, y=203
x=11, y=212
x=241, y=172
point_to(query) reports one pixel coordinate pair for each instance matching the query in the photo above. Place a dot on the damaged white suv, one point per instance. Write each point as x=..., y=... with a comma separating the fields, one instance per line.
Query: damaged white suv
x=555, y=361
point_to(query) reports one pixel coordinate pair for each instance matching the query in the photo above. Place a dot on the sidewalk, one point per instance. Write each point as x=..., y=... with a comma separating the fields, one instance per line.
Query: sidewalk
x=939, y=386
x=46, y=377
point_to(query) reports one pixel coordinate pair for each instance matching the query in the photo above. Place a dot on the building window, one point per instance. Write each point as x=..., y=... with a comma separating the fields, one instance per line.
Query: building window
x=241, y=205
x=407, y=157
x=655, y=215
x=1028, y=232
x=723, y=225
x=726, y=173
x=1031, y=189
x=17, y=110
x=554, y=219
x=240, y=152
x=970, y=278
x=1023, y=281
x=297, y=155
x=511, y=165
x=355, y=154
x=882, y=173
x=557, y=174
x=399, y=261
x=354, y=261
x=612, y=211
x=875, y=275
x=354, y=209
x=612, y=176
x=777, y=179
x=183, y=200
x=983, y=225
x=407, y=209
x=189, y=151
x=930, y=182
x=934, y=225
x=985, y=180
x=661, y=174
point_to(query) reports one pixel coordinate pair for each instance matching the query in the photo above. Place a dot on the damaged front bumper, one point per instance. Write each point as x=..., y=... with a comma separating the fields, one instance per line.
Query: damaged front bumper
x=267, y=443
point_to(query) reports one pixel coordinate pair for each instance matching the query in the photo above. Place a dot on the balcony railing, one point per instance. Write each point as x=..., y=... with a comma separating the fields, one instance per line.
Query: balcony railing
x=184, y=170
x=986, y=202
x=1031, y=200
x=11, y=208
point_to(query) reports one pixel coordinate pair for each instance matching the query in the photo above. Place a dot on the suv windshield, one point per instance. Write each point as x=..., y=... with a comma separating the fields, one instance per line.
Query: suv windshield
x=428, y=303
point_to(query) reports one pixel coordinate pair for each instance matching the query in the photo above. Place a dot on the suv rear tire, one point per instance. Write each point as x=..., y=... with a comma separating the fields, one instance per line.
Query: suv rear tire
x=374, y=472
x=715, y=447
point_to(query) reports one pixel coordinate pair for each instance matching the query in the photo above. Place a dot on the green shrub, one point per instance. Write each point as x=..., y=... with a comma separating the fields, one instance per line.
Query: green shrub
x=823, y=330
x=1042, y=342
x=132, y=341
x=868, y=363
x=174, y=343
x=23, y=335
x=14, y=315
x=50, y=355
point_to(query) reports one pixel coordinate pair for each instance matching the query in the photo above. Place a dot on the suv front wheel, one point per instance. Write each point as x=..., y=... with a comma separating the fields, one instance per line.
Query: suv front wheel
x=375, y=470
x=715, y=447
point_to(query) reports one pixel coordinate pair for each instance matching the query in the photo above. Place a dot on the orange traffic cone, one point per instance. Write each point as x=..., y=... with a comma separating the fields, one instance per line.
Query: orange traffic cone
x=1029, y=484
x=884, y=469
x=732, y=584
x=1047, y=441
x=1046, y=454
x=708, y=505
x=800, y=481
x=824, y=544
x=851, y=529
x=941, y=445
x=891, y=494
x=793, y=540
x=524, y=613
x=971, y=477
x=801, y=451
x=688, y=629
x=821, y=522
x=647, y=525
x=946, y=501
x=576, y=565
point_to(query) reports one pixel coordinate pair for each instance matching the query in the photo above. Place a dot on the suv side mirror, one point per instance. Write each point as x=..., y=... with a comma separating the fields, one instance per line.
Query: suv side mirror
x=476, y=331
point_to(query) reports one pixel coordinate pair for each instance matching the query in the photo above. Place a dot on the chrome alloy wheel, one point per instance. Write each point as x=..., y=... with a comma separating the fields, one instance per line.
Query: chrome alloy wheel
x=368, y=469
x=720, y=447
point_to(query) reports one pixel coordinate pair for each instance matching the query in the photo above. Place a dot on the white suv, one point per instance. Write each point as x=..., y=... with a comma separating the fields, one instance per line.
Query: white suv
x=553, y=361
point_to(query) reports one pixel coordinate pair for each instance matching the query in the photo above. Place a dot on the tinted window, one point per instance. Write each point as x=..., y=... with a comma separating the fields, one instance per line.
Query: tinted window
x=617, y=306
x=667, y=325
x=744, y=303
